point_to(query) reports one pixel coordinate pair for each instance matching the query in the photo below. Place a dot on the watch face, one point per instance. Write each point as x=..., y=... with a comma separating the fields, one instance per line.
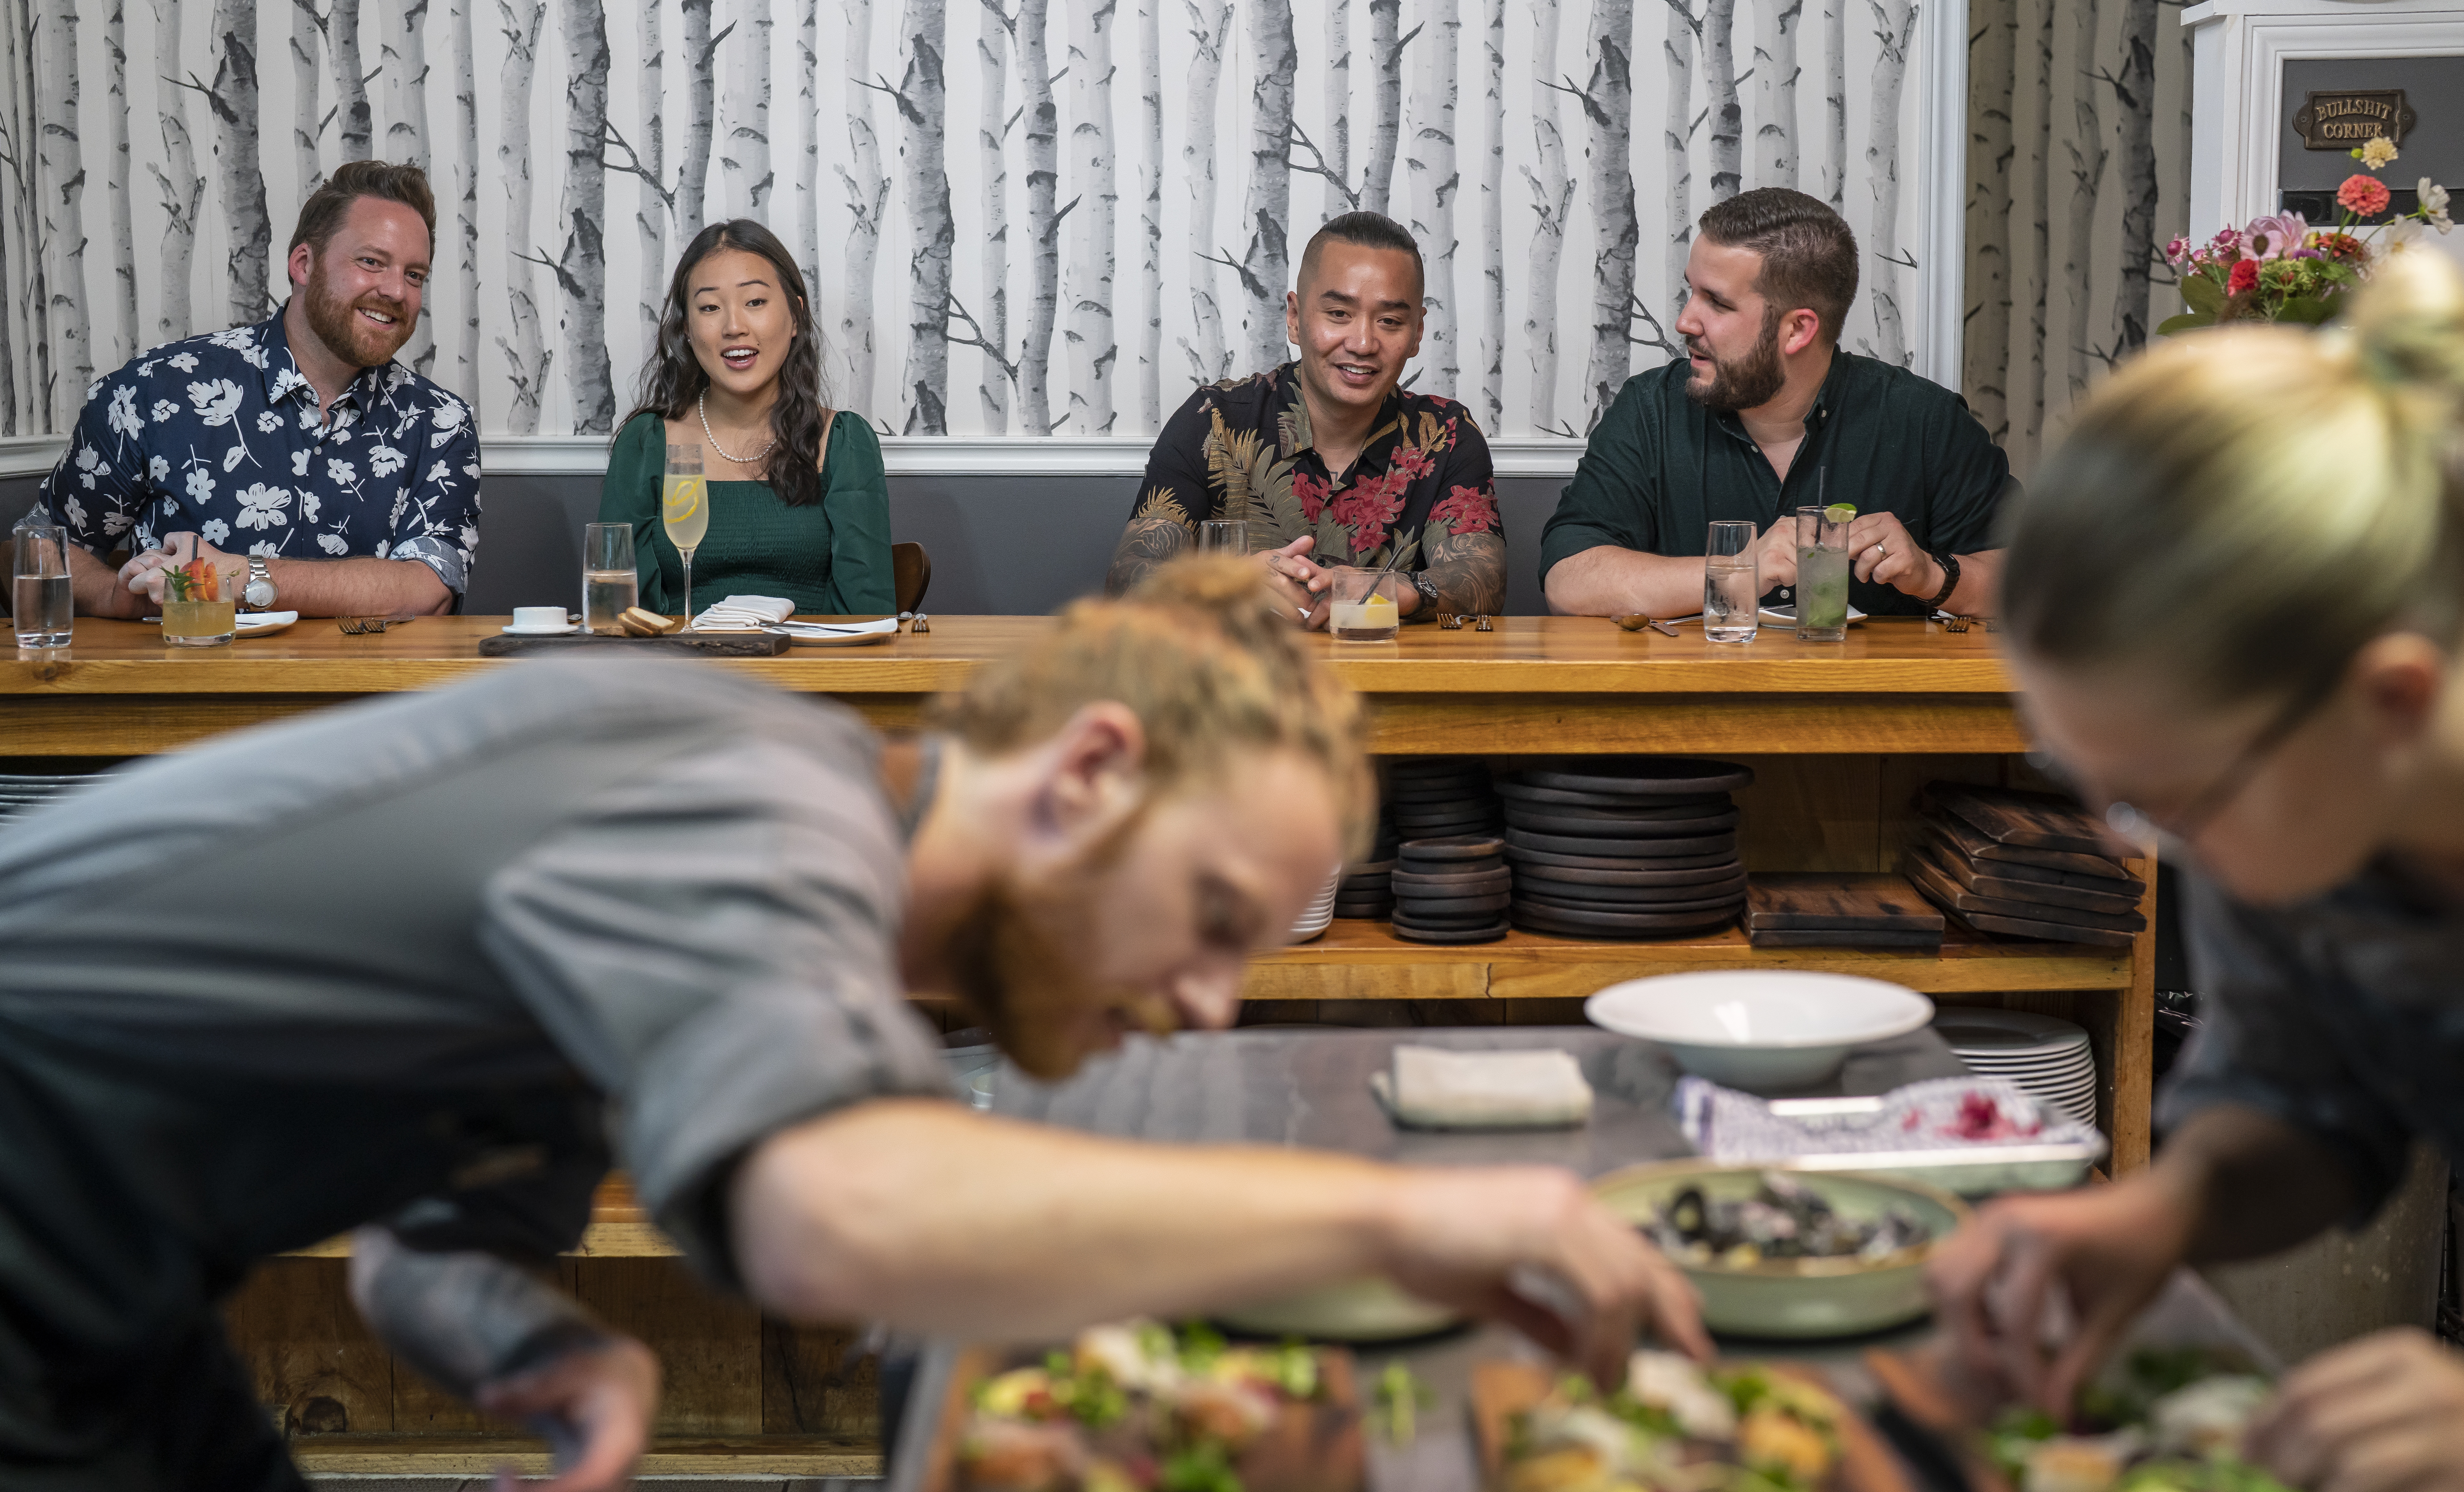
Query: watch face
x=259, y=593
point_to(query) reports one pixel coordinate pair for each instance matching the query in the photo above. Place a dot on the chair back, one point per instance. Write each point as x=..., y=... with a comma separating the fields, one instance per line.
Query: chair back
x=910, y=575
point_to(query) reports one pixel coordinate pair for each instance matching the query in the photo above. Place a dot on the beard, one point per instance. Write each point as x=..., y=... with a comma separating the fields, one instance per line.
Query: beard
x=1748, y=383
x=1018, y=958
x=351, y=336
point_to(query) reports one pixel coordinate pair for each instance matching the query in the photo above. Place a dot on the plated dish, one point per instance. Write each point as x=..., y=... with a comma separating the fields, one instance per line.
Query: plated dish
x=1139, y=1407
x=1778, y=1287
x=1672, y=1425
x=2167, y=1420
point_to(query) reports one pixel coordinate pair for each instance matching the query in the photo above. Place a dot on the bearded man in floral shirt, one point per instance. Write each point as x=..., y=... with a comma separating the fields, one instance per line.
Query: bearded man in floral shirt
x=1330, y=462
x=311, y=471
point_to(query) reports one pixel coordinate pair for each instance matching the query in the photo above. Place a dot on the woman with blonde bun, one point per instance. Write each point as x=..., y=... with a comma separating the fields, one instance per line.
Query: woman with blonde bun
x=2234, y=599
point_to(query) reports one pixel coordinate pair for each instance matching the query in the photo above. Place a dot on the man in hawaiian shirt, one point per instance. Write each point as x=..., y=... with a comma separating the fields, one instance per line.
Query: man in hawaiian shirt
x=1330, y=460
x=310, y=468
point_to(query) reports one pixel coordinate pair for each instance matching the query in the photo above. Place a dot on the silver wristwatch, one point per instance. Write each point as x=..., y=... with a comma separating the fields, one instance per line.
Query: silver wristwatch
x=1428, y=589
x=258, y=593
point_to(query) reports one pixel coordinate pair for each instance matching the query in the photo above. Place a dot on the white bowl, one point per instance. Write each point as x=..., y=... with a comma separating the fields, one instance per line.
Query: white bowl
x=1759, y=1029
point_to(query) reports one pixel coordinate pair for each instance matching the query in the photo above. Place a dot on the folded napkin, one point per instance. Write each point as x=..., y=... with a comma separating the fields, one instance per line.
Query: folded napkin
x=745, y=614
x=1429, y=1088
x=1940, y=1113
x=839, y=628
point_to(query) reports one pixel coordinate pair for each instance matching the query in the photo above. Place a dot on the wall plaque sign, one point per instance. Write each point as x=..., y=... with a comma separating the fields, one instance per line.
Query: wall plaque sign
x=2348, y=117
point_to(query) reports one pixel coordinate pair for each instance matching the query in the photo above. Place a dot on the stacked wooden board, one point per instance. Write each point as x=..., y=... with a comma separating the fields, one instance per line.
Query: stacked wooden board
x=2023, y=865
x=1815, y=911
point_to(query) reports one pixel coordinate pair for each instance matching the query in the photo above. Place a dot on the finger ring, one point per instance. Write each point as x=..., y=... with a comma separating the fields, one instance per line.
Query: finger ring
x=1881, y=549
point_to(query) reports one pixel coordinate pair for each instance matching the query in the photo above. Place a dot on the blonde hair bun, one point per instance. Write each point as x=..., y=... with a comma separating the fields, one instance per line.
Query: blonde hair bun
x=2407, y=330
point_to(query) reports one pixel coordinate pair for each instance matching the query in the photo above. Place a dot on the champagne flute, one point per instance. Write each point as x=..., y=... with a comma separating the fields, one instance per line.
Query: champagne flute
x=684, y=508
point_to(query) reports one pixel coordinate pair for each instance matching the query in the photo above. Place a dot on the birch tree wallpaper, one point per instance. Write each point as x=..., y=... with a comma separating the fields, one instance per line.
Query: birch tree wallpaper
x=1021, y=217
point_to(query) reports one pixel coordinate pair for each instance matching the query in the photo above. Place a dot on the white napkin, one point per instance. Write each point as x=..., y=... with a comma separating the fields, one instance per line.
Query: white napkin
x=745, y=614
x=839, y=628
x=1430, y=1088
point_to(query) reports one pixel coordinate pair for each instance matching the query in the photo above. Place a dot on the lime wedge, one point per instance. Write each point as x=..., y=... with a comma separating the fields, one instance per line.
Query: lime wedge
x=1839, y=512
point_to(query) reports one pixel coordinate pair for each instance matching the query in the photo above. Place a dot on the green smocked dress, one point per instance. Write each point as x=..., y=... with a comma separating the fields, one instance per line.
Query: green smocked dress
x=830, y=559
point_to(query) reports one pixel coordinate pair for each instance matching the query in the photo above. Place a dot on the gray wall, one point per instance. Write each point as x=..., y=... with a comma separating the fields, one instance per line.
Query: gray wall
x=1000, y=545
x=2435, y=87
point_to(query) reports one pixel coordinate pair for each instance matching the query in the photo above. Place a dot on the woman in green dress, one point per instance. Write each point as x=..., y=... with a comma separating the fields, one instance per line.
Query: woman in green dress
x=798, y=504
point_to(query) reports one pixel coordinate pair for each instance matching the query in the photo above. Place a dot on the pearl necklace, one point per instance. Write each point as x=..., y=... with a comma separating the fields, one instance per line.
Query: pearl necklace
x=702, y=404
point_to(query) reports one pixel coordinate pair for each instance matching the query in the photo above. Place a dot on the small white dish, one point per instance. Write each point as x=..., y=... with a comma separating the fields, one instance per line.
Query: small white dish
x=258, y=623
x=541, y=631
x=1759, y=1029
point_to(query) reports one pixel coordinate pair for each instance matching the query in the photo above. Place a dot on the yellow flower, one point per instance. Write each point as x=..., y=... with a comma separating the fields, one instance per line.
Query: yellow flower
x=2378, y=152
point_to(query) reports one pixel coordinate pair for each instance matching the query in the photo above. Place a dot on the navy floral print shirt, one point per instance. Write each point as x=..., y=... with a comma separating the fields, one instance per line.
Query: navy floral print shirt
x=220, y=435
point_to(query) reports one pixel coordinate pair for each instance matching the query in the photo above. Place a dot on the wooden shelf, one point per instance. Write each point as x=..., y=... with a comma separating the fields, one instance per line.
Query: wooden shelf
x=1365, y=960
x=781, y=1455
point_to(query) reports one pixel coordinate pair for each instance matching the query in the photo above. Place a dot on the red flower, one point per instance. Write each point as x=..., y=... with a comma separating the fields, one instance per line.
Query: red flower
x=2343, y=247
x=2245, y=276
x=1312, y=494
x=1413, y=462
x=1368, y=506
x=1466, y=510
x=2364, y=195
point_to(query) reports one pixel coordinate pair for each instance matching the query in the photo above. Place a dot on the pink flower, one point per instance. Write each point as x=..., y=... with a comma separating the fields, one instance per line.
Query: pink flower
x=1466, y=510
x=2245, y=276
x=2277, y=236
x=2366, y=196
x=2177, y=251
x=2227, y=243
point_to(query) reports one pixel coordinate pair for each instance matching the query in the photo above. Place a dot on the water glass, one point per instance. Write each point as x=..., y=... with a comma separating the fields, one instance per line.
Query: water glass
x=39, y=593
x=1367, y=606
x=1732, y=592
x=1822, y=577
x=610, y=585
x=1223, y=537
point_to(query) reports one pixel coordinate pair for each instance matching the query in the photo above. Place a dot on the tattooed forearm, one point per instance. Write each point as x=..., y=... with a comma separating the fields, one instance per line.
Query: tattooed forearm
x=463, y=1319
x=1469, y=572
x=1145, y=545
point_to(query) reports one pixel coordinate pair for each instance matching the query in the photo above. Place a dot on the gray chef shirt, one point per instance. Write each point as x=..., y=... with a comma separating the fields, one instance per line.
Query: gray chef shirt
x=2342, y=1016
x=430, y=960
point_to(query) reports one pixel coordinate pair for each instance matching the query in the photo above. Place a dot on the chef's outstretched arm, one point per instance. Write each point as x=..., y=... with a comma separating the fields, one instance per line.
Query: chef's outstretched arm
x=936, y=1218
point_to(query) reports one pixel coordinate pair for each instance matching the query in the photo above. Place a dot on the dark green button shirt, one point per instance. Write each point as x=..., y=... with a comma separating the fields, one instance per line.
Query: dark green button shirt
x=1661, y=468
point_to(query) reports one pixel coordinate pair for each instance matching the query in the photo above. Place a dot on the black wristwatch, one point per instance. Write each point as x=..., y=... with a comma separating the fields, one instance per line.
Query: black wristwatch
x=1428, y=589
x=1949, y=563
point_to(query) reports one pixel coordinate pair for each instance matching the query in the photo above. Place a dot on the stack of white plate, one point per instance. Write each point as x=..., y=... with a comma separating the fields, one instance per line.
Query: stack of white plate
x=1321, y=911
x=2044, y=1057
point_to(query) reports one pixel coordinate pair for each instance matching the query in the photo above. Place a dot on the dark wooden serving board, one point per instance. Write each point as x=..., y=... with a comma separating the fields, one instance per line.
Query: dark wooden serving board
x=1879, y=903
x=1840, y=937
x=2031, y=820
x=715, y=645
x=1985, y=878
x=2056, y=866
x=2047, y=932
x=1931, y=876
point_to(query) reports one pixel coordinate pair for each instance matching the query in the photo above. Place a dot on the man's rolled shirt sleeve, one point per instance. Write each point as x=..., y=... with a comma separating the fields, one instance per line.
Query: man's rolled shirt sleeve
x=719, y=969
x=1611, y=498
x=2264, y=1043
x=100, y=484
x=439, y=526
x=1971, y=484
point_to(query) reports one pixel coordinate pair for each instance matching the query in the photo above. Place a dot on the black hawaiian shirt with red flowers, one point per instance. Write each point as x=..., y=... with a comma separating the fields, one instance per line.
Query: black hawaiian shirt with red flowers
x=1241, y=450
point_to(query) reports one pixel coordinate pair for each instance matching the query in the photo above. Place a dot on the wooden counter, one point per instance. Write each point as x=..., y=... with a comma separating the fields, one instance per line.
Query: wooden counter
x=1536, y=684
x=1841, y=737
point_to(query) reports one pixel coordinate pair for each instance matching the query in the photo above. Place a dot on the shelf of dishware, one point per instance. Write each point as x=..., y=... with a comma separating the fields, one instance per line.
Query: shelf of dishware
x=1357, y=959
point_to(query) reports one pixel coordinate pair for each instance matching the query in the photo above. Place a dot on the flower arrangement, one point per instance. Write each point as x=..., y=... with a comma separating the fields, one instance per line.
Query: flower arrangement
x=2280, y=269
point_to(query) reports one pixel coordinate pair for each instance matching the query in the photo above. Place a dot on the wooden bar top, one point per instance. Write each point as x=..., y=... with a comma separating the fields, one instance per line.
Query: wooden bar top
x=1524, y=655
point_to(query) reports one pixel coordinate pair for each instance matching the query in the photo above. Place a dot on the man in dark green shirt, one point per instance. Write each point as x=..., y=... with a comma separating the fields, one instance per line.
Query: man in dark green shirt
x=1766, y=415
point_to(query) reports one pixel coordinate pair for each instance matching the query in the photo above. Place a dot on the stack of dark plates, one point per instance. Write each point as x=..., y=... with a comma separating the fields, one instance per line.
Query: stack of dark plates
x=1453, y=890
x=1367, y=888
x=1625, y=846
x=1440, y=797
x=2025, y=865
